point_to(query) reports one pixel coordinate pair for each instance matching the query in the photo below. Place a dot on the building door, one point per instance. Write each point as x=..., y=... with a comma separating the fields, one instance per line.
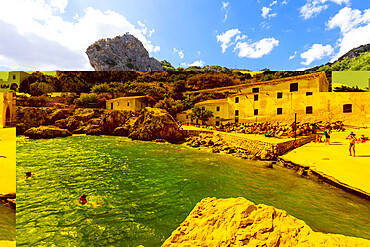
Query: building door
x=217, y=123
x=111, y=106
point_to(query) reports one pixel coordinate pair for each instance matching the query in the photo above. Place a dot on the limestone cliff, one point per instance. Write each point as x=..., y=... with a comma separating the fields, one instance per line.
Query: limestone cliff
x=122, y=53
x=156, y=123
x=239, y=222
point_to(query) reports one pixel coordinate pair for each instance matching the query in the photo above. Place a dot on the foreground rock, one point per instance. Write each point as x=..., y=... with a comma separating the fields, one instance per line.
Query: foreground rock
x=156, y=123
x=9, y=199
x=239, y=222
x=46, y=132
x=122, y=53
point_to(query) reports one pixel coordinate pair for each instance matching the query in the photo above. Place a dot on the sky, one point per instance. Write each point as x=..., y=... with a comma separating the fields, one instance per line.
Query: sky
x=248, y=34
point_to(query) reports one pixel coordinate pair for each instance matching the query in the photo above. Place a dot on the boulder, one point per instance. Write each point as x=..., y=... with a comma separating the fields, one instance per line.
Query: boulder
x=113, y=119
x=122, y=53
x=28, y=117
x=58, y=114
x=49, y=131
x=156, y=123
x=239, y=222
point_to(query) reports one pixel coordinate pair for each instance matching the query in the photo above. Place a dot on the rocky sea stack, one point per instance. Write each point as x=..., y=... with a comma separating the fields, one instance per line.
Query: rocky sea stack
x=122, y=53
x=239, y=222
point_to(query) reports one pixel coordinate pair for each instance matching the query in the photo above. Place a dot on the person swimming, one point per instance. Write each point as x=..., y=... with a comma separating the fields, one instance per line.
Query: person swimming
x=29, y=174
x=83, y=199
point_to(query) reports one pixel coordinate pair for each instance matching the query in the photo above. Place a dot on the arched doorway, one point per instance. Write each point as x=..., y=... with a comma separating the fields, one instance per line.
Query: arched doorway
x=14, y=87
x=8, y=119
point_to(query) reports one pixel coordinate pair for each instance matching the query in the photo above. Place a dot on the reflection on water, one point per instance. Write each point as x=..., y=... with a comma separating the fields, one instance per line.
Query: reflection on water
x=139, y=192
x=7, y=223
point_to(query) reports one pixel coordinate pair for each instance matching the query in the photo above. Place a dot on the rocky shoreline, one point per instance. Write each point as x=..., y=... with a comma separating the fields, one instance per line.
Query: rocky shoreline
x=239, y=222
x=49, y=122
x=216, y=144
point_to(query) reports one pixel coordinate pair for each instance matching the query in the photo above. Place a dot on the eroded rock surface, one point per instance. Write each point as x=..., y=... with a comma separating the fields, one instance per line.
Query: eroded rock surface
x=122, y=53
x=239, y=222
x=49, y=131
x=156, y=123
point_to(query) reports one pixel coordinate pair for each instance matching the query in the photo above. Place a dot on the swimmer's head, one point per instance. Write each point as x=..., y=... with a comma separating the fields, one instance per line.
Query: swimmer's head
x=28, y=174
x=83, y=199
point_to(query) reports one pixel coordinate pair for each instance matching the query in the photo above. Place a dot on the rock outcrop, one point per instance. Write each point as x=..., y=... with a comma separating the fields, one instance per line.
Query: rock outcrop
x=49, y=131
x=239, y=222
x=122, y=53
x=28, y=117
x=156, y=123
x=217, y=144
x=9, y=199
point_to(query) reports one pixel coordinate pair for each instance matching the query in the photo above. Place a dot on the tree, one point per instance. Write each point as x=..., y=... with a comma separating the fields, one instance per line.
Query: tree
x=200, y=113
x=343, y=88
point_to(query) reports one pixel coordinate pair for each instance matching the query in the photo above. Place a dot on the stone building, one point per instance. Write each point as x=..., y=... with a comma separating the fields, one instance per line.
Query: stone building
x=15, y=78
x=7, y=109
x=278, y=100
x=134, y=103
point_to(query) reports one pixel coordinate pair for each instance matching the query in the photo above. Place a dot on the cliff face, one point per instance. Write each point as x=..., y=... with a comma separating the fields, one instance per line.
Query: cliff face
x=122, y=53
x=239, y=222
x=155, y=123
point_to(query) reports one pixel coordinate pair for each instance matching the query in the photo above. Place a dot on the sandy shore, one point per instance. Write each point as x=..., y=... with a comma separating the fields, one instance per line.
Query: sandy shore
x=334, y=161
x=7, y=161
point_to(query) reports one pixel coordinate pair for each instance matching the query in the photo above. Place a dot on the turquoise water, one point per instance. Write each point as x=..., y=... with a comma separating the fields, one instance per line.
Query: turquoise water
x=7, y=223
x=142, y=191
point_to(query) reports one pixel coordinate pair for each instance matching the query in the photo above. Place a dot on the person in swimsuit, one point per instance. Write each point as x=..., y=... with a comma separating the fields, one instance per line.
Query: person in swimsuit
x=83, y=199
x=352, y=141
x=327, y=135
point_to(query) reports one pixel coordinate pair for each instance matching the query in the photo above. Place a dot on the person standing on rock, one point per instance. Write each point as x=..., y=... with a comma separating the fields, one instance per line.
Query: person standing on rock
x=352, y=141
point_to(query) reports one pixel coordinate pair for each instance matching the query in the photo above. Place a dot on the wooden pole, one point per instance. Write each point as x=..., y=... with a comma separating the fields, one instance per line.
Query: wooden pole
x=295, y=126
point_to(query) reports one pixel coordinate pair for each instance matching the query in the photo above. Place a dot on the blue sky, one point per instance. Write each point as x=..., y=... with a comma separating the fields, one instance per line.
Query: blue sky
x=249, y=34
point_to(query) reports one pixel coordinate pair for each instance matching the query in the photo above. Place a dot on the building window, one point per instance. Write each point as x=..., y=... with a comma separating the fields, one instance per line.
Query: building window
x=294, y=87
x=279, y=95
x=256, y=90
x=308, y=93
x=236, y=112
x=13, y=77
x=279, y=111
x=111, y=106
x=256, y=97
x=187, y=117
x=255, y=112
x=117, y=103
x=128, y=103
x=237, y=100
x=309, y=110
x=217, y=108
x=347, y=108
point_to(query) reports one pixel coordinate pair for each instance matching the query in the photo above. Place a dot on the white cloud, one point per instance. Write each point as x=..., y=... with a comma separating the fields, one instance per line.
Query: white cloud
x=265, y=12
x=347, y=19
x=199, y=63
x=59, y=4
x=352, y=39
x=225, y=38
x=179, y=52
x=293, y=56
x=256, y=49
x=225, y=6
x=198, y=52
x=354, y=26
x=273, y=3
x=316, y=52
x=45, y=23
x=285, y=2
x=314, y=7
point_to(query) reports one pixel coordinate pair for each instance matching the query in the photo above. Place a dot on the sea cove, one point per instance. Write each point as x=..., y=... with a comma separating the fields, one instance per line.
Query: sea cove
x=143, y=190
